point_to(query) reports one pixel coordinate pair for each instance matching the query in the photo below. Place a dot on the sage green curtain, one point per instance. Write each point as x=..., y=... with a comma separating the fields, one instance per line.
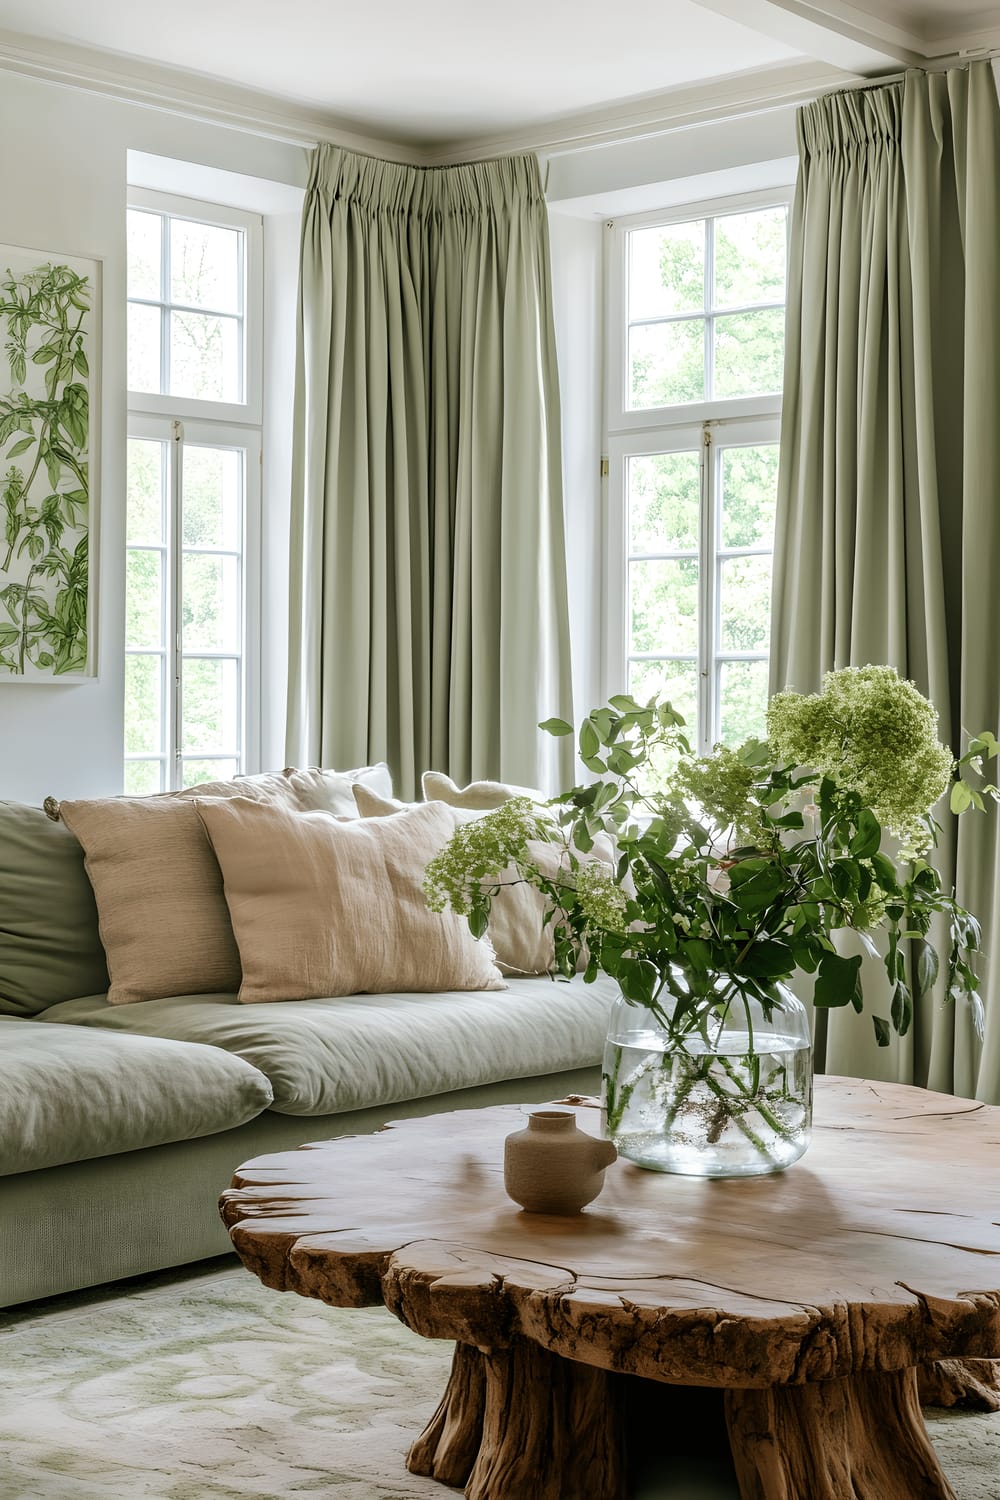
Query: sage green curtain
x=888, y=523
x=429, y=615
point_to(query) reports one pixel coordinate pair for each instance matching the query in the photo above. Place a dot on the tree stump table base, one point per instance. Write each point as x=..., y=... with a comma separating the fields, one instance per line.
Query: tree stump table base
x=816, y=1308
x=862, y=1438
x=527, y=1425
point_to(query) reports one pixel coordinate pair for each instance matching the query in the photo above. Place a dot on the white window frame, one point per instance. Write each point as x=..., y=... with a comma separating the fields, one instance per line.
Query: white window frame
x=181, y=421
x=703, y=426
x=252, y=316
x=214, y=435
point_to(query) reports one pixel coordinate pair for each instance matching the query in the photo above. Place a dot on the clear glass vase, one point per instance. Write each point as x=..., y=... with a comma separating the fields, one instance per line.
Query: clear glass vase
x=718, y=1088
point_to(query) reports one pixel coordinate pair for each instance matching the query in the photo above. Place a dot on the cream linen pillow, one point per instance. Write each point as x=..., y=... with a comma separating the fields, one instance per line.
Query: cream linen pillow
x=161, y=911
x=521, y=944
x=323, y=907
x=483, y=796
x=333, y=791
x=269, y=783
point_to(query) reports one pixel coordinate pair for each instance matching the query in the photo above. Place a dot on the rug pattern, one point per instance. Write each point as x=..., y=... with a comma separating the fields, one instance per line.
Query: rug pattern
x=213, y=1386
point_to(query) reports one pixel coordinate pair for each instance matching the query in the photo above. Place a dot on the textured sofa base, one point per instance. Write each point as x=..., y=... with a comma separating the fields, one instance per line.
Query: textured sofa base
x=117, y=1216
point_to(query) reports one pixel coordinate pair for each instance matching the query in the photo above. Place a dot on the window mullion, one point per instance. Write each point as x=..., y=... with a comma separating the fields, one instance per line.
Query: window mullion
x=241, y=324
x=709, y=307
x=706, y=592
x=165, y=308
x=175, y=653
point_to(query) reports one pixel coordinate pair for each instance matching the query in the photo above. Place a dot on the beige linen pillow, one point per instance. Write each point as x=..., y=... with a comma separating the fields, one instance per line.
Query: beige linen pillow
x=521, y=944
x=324, y=907
x=484, y=796
x=369, y=804
x=161, y=911
x=271, y=783
x=317, y=790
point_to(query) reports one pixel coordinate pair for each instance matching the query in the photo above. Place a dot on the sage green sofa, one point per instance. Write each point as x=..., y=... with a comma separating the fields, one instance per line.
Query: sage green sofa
x=121, y=1125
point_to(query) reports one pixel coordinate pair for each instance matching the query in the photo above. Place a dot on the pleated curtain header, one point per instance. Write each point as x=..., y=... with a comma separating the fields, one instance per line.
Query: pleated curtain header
x=390, y=188
x=840, y=124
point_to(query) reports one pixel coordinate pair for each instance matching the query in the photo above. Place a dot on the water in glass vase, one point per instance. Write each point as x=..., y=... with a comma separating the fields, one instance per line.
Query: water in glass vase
x=736, y=1107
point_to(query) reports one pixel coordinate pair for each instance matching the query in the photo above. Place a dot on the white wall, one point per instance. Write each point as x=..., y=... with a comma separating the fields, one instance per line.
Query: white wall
x=577, y=291
x=63, y=188
x=674, y=166
x=281, y=267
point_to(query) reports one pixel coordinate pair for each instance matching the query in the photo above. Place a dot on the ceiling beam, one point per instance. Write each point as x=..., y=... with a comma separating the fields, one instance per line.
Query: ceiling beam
x=832, y=32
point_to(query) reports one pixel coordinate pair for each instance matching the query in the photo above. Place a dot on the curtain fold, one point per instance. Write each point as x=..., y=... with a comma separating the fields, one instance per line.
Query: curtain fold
x=429, y=601
x=888, y=522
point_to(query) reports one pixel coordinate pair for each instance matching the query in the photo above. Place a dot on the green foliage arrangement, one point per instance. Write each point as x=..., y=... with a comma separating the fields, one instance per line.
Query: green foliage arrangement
x=745, y=863
x=44, y=488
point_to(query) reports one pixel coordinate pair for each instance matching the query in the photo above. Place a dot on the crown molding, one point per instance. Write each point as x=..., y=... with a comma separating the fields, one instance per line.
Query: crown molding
x=196, y=97
x=192, y=96
x=173, y=90
x=657, y=114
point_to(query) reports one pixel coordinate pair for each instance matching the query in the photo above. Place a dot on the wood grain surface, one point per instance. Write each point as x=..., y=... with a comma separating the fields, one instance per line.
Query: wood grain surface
x=811, y=1296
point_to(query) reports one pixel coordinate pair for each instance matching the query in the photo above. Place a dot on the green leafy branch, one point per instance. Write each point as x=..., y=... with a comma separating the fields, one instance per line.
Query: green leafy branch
x=46, y=611
x=747, y=863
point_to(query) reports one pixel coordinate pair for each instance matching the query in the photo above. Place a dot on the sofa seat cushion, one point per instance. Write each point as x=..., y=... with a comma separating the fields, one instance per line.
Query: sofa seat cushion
x=68, y=1094
x=330, y=1055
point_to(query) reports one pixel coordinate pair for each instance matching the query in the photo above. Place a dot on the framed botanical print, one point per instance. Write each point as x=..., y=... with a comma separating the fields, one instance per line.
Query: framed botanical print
x=49, y=326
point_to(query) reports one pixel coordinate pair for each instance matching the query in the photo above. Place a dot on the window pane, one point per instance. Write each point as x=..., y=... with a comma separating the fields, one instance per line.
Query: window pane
x=664, y=606
x=143, y=598
x=666, y=270
x=210, y=608
x=745, y=604
x=143, y=778
x=749, y=495
x=667, y=363
x=143, y=348
x=144, y=246
x=143, y=704
x=195, y=772
x=664, y=500
x=147, y=462
x=205, y=266
x=205, y=357
x=674, y=680
x=750, y=258
x=743, y=701
x=749, y=352
x=677, y=682
x=210, y=705
x=213, y=494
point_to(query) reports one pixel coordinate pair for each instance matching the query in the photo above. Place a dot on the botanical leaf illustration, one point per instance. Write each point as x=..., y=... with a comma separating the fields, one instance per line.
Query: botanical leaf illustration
x=45, y=488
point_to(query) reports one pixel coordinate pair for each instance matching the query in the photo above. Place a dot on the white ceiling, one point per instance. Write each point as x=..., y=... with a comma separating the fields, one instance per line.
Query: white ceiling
x=440, y=72
x=427, y=72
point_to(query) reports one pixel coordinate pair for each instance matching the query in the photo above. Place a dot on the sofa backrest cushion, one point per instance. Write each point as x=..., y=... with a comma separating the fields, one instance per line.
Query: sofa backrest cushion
x=162, y=915
x=522, y=942
x=325, y=906
x=318, y=790
x=50, y=947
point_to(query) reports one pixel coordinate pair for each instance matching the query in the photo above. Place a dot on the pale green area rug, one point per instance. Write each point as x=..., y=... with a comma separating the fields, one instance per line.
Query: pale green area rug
x=206, y=1384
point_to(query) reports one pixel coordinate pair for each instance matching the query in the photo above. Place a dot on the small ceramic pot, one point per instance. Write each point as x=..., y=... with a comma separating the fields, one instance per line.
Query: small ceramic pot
x=552, y=1167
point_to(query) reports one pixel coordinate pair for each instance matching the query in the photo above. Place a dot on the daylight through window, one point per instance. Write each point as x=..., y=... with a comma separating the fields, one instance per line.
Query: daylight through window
x=697, y=347
x=193, y=477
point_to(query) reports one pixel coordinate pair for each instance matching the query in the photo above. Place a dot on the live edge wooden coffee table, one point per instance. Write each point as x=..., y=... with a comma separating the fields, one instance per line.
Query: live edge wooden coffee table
x=811, y=1297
